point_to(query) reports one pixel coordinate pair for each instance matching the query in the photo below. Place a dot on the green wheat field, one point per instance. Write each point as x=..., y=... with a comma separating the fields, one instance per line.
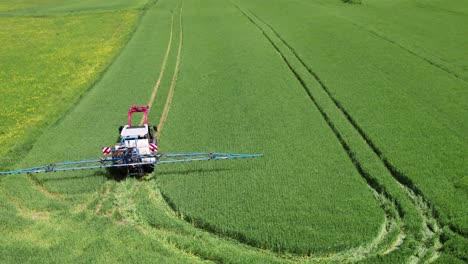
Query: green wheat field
x=360, y=108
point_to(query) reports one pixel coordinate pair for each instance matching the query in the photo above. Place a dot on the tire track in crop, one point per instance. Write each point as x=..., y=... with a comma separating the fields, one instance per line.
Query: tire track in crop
x=419, y=201
x=196, y=235
x=391, y=220
x=150, y=103
x=413, y=192
x=42, y=189
x=126, y=208
x=401, y=46
x=129, y=211
x=148, y=229
x=163, y=69
x=170, y=95
x=143, y=226
x=105, y=196
x=124, y=204
x=431, y=234
x=413, y=53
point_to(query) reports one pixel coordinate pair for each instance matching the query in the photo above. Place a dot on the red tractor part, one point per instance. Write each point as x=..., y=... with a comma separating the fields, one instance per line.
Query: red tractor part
x=138, y=109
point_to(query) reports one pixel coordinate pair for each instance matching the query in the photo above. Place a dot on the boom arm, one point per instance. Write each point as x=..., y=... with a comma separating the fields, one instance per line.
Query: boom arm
x=161, y=158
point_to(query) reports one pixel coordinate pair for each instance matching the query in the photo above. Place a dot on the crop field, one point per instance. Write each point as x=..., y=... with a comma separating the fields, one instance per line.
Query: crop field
x=47, y=63
x=359, y=108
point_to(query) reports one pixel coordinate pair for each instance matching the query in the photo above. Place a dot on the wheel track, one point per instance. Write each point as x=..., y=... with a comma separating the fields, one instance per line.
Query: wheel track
x=415, y=54
x=461, y=76
x=131, y=216
x=128, y=210
x=153, y=97
x=125, y=205
x=33, y=178
x=380, y=197
x=390, y=222
x=420, y=202
x=431, y=233
x=156, y=198
x=103, y=199
x=43, y=190
x=404, y=180
x=175, y=75
x=163, y=69
x=150, y=102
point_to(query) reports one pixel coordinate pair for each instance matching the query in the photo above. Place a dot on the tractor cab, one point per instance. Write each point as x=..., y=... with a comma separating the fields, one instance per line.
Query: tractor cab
x=137, y=145
x=136, y=131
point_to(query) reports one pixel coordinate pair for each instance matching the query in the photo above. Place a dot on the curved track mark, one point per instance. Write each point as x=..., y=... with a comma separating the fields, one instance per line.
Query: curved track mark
x=125, y=205
x=415, y=194
x=432, y=232
x=392, y=220
x=42, y=189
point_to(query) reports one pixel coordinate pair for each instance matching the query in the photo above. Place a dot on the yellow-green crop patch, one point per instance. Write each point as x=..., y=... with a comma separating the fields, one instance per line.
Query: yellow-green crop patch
x=48, y=61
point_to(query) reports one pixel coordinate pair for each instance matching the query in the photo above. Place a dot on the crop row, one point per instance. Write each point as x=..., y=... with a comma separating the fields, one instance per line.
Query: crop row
x=234, y=94
x=366, y=162
x=374, y=106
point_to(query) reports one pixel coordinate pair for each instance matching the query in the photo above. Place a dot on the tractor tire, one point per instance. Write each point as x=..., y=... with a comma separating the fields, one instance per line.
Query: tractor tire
x=148, y=168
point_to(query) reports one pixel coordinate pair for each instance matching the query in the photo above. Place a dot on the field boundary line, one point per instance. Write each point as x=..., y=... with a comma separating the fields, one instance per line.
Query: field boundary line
x=74, y=103
x=163, y=69
x=165, y=112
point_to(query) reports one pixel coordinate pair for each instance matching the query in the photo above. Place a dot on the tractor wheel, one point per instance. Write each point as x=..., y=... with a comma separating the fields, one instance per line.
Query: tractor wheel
x=118, y=173
x=148, y=168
